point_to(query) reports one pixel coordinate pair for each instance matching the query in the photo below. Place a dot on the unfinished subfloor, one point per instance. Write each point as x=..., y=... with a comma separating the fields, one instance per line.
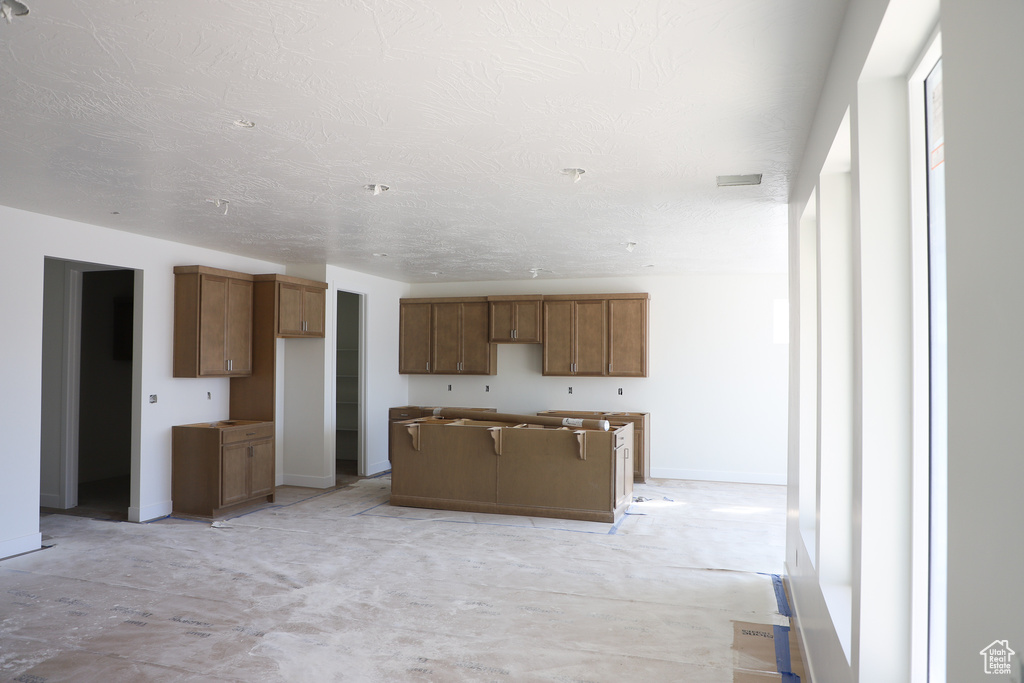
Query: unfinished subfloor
x=341, y=586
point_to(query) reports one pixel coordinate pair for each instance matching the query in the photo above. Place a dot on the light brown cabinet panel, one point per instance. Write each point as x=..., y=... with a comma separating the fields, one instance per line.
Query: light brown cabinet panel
x=414, y=331
x=627, y=337
x=515, y=319
x=445, y=337
x=640, y=454
x=212, y=322
x=300, y=309
x=219, y=465
x=575, y=337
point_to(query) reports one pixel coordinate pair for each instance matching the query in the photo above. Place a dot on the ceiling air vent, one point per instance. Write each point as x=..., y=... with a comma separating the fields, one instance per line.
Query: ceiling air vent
x=735, y=180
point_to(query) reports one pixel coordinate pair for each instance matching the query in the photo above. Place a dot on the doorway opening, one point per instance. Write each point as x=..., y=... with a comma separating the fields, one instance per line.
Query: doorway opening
x=348, y=395
x=86, y=442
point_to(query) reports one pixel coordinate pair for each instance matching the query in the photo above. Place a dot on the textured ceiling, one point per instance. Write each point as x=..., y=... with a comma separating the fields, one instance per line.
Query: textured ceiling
x=135, y=115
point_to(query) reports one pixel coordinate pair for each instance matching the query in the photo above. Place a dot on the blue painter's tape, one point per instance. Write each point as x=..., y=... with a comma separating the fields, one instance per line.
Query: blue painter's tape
x=790, y=678
x=780, y=596
x=782, y=662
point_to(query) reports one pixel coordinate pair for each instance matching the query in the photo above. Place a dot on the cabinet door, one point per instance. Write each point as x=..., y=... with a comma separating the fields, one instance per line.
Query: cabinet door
x=414, y=338
x=527, y=322
x=289, y=308
x=447, y=339
x=627, y=337
x=558, y=338
x=238, y=345
x=502, y=321
x=476, y=344
x=591, y=337
x=314, y=301
x=261, y=468
x=213, y=312
x=234, y=473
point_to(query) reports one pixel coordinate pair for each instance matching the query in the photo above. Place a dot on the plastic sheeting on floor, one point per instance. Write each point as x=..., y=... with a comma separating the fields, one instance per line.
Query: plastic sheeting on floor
x=342, y=586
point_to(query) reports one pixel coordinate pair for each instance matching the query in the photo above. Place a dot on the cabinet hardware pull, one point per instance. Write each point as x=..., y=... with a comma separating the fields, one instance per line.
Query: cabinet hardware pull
x=250, y=433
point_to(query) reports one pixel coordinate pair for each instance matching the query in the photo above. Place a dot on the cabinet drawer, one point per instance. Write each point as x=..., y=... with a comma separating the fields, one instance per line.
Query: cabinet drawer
x=261, y=430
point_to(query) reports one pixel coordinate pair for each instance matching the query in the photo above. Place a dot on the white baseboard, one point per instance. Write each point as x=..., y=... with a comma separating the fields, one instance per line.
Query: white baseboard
x=22, y=544
x=308, y=481
x=726, y=476
x=148, y=512
x=50, y=500
x=377, y=467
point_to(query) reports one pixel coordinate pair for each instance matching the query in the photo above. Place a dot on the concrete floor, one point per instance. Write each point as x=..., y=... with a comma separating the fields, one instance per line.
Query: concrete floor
x=341, y=586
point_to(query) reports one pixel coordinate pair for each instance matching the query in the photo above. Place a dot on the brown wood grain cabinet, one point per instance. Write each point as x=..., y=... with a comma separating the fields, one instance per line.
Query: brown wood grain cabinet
x=516, y=319
x=595, y=335
x=212, y=322
x=218, y=466
x=575, y=337
x=627, y=337
x=414, y=325
x=445, y=337
x=641, y=422
x=300, y=307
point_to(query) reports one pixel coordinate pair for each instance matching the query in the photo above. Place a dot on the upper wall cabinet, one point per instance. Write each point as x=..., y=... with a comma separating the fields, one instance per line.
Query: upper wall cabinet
x=212, y=322
x=515, y=319
x=575, y=336
x=596, y=335
x=627, y=337
x=300, y=305
x=414, y=323
x=445, y=336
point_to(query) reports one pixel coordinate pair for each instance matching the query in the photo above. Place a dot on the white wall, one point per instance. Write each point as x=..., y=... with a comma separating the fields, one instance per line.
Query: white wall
x=27, y=239
x=308, y=450
x=716, y=386
x=875, y=634
x=984, y=107
x=307, y=373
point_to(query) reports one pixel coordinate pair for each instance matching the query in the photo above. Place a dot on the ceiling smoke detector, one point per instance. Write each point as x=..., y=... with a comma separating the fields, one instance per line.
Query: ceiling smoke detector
x=738, y=180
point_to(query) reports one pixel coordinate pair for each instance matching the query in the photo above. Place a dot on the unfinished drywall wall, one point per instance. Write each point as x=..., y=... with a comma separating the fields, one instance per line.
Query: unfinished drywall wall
x=717, y=380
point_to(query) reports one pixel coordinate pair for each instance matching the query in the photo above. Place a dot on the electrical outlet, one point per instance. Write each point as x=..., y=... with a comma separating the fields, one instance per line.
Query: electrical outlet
x=209, y=395
x=620, y=391
x=570, y=390
x=152, y=398
x=449, y=387
x=487, y=387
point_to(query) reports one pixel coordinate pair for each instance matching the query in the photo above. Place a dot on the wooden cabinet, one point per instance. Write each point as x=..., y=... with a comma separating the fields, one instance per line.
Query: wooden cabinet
x=641, y=452
x=220, y=465
x=460, y=339
x=445, y=336
x=515, y=319
x=212, y=322
x=596, y=335
x=627, y=337
x=497, y=467
x=575, y=337
x=414, y=325
x=300, y=309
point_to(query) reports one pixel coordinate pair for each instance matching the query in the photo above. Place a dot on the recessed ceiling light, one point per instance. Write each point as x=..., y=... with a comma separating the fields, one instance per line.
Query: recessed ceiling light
x=242, y=123
x=574, y=173
x=737, y=180
x=376, y=188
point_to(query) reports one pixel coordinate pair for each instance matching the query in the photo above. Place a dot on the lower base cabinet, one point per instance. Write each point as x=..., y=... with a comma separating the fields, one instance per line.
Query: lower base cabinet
x=481, y=466
x=219, y=466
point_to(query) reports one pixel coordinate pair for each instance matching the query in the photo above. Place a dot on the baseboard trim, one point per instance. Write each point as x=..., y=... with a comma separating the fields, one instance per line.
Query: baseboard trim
x=308, y=481
x=726, y=476
x=148, y=512
x=50, y=500
x=22, y=544
x=377, y=467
